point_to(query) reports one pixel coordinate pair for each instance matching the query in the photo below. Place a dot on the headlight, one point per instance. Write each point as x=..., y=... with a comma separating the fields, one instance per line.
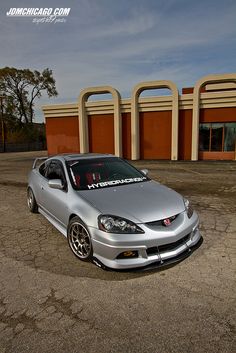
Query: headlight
x=114, y=224
x=188, y=208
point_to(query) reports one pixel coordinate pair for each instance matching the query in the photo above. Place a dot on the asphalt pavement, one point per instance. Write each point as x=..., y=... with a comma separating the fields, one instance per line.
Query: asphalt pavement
x=52, y=302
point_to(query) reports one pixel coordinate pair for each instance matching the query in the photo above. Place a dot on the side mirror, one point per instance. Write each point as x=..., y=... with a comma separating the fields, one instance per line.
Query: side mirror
x=55, y=184
x=145, y=171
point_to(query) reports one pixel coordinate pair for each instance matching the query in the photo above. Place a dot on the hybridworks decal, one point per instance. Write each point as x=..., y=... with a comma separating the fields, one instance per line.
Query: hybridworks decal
x=115, y=182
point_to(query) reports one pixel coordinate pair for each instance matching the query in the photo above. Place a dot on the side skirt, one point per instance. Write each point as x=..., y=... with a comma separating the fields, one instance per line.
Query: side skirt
x=57, y=225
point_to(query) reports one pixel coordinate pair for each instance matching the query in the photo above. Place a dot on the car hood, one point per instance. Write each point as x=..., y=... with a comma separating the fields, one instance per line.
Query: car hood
x=140, y=202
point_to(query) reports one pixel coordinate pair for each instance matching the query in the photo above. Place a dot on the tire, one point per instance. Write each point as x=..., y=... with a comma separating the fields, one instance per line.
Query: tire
x=31, y=201
x=79, y=239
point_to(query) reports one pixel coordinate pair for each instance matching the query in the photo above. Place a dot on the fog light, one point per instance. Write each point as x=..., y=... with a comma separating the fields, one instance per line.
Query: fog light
x=127, y=254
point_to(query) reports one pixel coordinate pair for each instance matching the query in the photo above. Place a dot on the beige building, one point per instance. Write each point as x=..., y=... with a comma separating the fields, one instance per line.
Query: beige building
x=198, y=124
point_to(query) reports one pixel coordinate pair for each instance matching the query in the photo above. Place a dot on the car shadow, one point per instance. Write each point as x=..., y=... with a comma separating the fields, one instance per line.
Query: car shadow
x=42, y=247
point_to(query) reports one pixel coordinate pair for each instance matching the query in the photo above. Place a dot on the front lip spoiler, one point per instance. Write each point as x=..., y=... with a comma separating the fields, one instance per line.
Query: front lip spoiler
x=164, y=264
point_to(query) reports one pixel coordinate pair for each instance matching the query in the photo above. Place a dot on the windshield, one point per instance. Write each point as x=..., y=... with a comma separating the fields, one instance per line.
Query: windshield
x=92, y=174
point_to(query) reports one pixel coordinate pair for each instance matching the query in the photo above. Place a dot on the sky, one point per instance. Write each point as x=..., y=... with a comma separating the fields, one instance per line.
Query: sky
x=121, y=43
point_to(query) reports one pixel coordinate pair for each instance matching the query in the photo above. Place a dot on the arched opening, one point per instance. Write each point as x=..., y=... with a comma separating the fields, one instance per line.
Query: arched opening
x=208, y=128
x=155, y=132
x=103, y=141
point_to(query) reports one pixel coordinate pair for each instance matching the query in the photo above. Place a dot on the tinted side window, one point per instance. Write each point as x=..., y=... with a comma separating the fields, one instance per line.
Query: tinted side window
x=51, y=171
x=43, y=169
x=55, y=171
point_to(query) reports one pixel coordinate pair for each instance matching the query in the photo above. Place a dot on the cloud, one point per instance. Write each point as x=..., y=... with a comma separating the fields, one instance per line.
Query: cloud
x=132, y=26
x=121, y=43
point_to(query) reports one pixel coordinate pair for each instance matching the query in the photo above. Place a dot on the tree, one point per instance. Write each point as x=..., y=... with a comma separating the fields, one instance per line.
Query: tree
x=22, y=87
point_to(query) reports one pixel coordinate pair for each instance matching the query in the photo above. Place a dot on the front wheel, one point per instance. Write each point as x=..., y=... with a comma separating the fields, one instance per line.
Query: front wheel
x=31, y=201
x=79, y=239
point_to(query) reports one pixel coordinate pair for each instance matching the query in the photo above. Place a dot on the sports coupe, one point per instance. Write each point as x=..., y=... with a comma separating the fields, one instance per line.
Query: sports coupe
x=112, y=213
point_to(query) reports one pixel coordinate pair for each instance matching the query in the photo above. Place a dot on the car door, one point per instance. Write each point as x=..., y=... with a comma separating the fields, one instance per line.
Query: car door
x=54, y=201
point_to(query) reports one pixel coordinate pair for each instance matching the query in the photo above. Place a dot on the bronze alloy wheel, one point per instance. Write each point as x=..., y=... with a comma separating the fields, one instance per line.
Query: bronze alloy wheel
x=31, y=202
x=79, y=239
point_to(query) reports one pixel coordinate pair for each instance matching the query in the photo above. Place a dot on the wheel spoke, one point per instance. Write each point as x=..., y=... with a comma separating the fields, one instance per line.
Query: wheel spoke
x=79, y=240
x=87, y=248
x=30, y=198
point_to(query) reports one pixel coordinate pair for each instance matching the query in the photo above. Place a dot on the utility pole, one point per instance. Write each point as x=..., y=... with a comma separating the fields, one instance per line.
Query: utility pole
x=2, y=124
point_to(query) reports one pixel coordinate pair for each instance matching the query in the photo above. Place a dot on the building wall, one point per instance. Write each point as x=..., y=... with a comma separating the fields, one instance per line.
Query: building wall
x=218, y=115
x=101, y=133
x=155, y=135
x=126, y=135
x=62, y=135
x=185, y=134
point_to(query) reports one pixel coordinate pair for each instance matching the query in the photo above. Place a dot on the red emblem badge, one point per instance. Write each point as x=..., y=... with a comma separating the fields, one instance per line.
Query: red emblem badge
x=167, y=222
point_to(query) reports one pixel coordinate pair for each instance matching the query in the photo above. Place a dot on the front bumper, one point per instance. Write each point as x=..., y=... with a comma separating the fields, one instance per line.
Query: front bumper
x=155, y=247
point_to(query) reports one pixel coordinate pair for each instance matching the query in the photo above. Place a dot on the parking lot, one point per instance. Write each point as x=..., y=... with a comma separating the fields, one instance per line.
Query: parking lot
x=52, y=302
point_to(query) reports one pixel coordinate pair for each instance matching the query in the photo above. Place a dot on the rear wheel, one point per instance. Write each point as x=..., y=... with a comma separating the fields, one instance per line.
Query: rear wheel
x=31, y=202
x=79, y=239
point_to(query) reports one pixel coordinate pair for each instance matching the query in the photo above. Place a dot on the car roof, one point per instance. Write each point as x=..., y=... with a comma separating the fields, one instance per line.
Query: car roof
x=75, y=156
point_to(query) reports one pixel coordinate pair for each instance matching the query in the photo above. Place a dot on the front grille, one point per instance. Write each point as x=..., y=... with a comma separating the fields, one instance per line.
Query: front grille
x=167, y=247
x=160, y=222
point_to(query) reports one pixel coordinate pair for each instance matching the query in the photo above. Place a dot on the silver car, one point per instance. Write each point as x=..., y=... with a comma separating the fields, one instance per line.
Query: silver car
x=112, y=213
